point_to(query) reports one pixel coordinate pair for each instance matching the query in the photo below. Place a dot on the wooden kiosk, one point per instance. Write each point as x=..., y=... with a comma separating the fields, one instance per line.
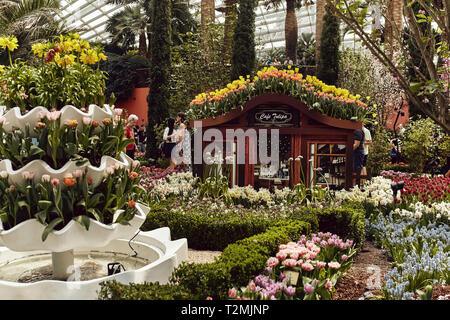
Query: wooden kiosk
x=308, y=140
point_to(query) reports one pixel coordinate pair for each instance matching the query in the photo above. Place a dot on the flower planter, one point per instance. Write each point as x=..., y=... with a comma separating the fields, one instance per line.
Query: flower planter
x=26, y=236
x=14, y=118
x=40, y=168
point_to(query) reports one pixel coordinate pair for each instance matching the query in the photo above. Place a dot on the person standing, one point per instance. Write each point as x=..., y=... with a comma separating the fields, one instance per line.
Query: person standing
x=367, y=143
x=129, y=134
x=170, y=140
x=184, y=144
x=142, y=138
x=358, y=154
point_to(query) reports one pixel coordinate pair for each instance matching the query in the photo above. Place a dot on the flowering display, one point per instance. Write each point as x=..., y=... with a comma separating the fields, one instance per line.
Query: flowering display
x=67, y=74
x=55, y=202
x=308, y=269
x=329, y=100
x=59, y=142
x=420, y=252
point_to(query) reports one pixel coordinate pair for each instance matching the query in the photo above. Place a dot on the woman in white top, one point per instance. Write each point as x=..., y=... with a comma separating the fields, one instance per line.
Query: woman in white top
x=170, y=137
x=184, y=140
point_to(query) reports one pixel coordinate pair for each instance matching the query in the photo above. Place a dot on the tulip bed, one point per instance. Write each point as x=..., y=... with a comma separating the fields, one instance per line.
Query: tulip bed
x=304, y=266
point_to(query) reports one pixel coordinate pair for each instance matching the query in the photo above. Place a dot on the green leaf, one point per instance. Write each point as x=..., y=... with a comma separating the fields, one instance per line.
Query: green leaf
x=50, y=227
x=44, y=204
x=85, y=221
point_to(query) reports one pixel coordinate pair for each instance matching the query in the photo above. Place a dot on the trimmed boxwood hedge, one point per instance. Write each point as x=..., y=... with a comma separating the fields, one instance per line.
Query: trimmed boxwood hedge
x=211, y=233
x=238, y=263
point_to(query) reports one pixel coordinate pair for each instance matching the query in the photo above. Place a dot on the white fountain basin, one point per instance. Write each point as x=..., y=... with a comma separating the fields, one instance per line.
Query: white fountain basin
x=157, y=257
x=27, y=236
x=15, y=119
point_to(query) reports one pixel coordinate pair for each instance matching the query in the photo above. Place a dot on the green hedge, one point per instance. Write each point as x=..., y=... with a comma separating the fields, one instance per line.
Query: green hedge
x=238, y=263
x=210, y=233
x=113, y=290
x=348, y=221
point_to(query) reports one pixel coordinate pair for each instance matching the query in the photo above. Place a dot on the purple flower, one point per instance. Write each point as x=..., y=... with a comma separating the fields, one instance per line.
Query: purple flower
x=308, y=288
x=290, y=291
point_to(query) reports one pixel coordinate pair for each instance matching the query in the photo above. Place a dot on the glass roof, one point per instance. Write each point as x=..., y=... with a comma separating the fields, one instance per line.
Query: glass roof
x=92, y=15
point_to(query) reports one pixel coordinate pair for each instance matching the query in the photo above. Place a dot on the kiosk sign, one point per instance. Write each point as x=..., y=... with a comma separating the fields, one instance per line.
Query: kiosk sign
x=273, y=117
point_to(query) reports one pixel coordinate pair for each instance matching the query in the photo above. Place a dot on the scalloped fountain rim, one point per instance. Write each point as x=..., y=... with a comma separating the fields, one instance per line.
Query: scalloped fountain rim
x=40, y=167
x=15, y=119
x=26, y=236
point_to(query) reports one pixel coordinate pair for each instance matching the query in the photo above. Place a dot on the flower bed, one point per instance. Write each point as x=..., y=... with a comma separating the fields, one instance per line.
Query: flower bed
x=329, y=100
x=304, y=270
x=238, y=262
x=420, y=252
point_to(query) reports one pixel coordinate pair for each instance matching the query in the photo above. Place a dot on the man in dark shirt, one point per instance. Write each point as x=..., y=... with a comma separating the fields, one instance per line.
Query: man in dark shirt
x=358, y=153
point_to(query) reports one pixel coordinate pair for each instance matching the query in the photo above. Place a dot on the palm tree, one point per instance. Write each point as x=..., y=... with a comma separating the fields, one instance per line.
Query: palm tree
x=30, y=21
x=291, y=24
x=135, y=19
x=127, y=24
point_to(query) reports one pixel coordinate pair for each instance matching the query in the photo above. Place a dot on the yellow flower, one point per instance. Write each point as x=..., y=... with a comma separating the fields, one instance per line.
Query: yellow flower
x=89, y=57
x=101, y=56
x=9, y=42
x=66, y=60
x=2, y=67
x=375, y=106
x=374, y=115
x=38, y=49
x=368, y=98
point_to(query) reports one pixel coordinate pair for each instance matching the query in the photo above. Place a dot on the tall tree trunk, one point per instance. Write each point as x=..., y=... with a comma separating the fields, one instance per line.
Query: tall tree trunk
x=142, y=44
x=207, y=16
x=230, y=19
x=291, y=31
x=320, y=12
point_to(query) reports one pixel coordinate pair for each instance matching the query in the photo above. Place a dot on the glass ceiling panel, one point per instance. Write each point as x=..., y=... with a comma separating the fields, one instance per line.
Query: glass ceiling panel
x=92, y=16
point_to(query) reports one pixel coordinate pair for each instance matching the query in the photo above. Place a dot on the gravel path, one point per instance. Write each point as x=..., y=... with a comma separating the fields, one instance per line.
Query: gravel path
x=202, y=256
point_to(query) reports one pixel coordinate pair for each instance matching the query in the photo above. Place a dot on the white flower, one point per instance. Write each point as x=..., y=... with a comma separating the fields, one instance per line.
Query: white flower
x=4, y=174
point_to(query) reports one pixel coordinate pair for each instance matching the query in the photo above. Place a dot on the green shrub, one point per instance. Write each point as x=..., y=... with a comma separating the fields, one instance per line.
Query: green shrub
x=113, y=290
x=204, y=232
x=348, y=222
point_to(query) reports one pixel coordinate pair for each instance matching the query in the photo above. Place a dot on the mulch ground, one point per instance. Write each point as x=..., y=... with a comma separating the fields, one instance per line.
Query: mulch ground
x=366, y=274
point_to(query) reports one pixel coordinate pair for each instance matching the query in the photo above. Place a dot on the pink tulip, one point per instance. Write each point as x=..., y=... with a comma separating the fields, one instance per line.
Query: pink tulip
x=232, y=293
x=308, y=288
x=86, y=121
x=328, y=285
x=272, y=262
x=55, y=181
